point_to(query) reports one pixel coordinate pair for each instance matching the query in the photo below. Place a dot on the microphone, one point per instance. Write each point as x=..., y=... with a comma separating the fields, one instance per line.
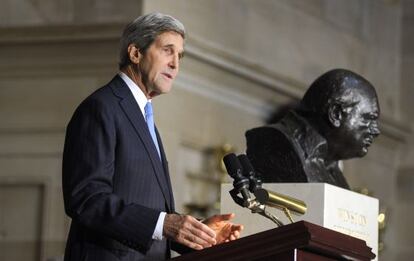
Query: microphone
x=248, y=171
x=270, y=198
x=244, y=179
x=235, y=170
x=280, y=201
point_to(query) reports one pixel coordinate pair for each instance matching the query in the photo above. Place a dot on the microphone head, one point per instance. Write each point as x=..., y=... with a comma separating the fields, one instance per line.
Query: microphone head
x=232, y=164
x=248, y=171
x=246, y=165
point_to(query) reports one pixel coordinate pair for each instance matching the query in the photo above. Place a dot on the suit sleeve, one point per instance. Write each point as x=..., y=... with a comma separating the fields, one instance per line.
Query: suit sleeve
x=88, y=170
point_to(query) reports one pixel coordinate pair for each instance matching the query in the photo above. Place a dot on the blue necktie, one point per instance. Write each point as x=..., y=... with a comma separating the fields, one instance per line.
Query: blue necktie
x=149, y=117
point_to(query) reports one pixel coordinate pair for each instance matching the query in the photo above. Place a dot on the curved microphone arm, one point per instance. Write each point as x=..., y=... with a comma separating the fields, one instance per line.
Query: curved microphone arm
x=272, y=217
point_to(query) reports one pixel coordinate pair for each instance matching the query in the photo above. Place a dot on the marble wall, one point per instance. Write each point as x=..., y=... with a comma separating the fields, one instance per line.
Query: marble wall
x=243, y=59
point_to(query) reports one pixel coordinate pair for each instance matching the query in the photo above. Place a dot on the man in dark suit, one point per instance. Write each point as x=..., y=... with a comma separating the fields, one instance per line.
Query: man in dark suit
x=116, y=184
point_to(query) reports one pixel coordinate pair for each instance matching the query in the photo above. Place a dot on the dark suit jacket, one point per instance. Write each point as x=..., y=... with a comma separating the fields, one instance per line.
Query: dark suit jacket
x=114, y=183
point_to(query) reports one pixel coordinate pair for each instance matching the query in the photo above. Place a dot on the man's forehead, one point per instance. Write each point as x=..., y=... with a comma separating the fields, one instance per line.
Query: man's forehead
x=368, y=104
x=170, y=38
x=363, y=92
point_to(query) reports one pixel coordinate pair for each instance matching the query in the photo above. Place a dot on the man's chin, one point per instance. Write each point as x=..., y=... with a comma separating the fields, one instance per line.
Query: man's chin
x=160, y=90
x=363, y=152
x=356, y=153
x=165, y=89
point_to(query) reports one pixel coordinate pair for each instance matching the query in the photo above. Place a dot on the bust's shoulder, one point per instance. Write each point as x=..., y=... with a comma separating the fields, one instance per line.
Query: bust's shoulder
x=266, y=136
x=288, y=130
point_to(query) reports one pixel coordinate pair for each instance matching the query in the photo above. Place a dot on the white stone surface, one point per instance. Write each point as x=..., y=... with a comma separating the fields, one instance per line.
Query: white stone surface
x=329, y=206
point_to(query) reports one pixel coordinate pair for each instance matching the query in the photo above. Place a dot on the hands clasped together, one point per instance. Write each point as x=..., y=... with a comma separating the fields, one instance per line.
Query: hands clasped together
x=201, y=234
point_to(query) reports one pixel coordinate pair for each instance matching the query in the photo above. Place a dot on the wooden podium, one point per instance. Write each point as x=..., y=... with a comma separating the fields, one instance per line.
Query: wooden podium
x=301, y=241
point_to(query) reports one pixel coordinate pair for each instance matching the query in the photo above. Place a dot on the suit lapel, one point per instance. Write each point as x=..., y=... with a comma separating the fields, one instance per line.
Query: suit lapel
x=166, y=171
x=131, y=109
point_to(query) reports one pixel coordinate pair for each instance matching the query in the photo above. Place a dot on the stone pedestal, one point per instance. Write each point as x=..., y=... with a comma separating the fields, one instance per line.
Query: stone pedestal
x=329, y=206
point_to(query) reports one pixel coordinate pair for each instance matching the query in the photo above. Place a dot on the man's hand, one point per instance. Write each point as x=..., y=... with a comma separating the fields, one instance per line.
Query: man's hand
x=188, y=231
x=224, y=229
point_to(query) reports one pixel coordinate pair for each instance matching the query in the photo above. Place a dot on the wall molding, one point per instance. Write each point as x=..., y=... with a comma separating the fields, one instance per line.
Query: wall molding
x=195, y=49
x=224, y=95
x=237, y=66
x=60, y=34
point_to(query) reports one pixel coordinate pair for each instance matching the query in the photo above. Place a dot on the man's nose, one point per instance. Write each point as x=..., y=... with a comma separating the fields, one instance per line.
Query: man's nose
x=374, y=129
x=175, y=62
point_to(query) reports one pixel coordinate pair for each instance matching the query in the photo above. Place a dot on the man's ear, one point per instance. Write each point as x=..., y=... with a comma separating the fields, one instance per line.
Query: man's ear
x=134, y=54
x=335, y=114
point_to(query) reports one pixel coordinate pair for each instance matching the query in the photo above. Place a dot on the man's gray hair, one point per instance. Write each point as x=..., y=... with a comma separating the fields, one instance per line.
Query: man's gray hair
x=143, y=31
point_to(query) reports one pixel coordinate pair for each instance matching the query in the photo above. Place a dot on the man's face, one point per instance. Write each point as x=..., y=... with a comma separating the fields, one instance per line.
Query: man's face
x=159, y=64
x=359, y=126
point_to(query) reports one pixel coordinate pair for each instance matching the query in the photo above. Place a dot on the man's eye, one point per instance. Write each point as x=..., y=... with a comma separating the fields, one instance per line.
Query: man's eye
x=370, y=117
x=168, y=50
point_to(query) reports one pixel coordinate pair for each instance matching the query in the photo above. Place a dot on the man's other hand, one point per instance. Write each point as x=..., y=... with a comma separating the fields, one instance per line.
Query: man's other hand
x=225, y=230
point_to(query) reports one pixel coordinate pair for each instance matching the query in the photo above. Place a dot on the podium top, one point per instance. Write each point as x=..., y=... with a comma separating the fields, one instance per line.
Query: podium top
x=276, y=242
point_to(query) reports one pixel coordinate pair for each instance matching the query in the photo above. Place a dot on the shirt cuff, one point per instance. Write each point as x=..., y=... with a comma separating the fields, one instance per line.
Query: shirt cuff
x=157, y=235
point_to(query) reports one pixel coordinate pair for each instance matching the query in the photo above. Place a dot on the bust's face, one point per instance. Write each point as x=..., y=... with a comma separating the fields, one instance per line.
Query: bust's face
x=359, y=127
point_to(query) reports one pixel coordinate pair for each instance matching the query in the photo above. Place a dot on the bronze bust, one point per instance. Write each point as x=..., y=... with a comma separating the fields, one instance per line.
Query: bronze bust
x=336, y=120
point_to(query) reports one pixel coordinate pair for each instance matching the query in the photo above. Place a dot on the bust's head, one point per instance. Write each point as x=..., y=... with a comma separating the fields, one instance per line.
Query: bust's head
x=345, y=110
